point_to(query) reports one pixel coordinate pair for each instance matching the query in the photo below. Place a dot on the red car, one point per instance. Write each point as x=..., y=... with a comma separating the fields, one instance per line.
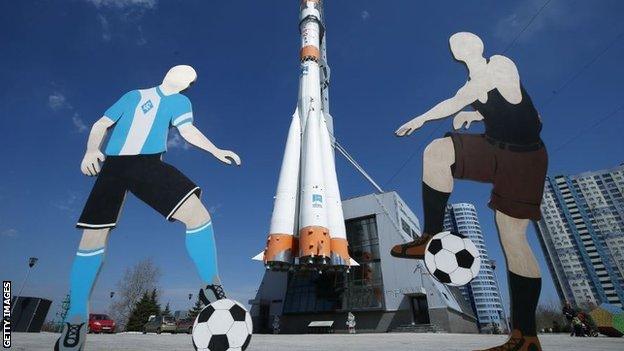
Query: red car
x=185, y=326
x=101, y=323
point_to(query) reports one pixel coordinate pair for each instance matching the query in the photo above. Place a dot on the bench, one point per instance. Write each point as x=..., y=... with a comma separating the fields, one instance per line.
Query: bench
x=321, y=327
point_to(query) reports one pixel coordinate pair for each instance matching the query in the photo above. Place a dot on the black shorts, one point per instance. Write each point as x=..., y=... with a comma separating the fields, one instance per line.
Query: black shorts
x=155, y=182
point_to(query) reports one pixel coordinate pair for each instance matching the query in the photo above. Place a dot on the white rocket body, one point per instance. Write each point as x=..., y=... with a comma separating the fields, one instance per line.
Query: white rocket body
x=307, y=224
x=284, y=210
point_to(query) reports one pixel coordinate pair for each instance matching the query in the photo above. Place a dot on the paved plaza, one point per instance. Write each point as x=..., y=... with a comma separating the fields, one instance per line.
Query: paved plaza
x=359, y=342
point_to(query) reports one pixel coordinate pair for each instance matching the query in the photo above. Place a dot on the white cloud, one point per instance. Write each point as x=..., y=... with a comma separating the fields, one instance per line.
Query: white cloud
x=214, y=209
x=79, y=123
x=106, y=33
x=365, y=15
x=57, y=101
x=116, y=15
x=557, y=14
x=141, y=40
x=124, y=3
x=9, y=233
x=68, y=204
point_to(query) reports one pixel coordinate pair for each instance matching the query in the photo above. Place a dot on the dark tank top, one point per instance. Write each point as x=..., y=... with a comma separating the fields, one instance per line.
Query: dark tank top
x=510, y=123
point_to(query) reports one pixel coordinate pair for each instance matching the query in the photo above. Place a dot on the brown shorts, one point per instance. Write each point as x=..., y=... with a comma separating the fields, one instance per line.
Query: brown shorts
x=518, y=176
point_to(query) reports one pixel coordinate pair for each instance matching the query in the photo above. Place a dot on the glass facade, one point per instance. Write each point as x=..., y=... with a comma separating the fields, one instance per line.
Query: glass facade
x=313, y=292
x=482, y=292
x=360, y=289
x=364, y=285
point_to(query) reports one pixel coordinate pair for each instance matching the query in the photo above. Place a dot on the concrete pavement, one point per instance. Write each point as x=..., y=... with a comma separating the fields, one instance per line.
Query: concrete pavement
x=315, y=342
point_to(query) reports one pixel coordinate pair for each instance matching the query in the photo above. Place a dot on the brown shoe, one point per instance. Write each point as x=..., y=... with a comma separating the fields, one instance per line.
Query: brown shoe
x=518, y=342
x=414, y=249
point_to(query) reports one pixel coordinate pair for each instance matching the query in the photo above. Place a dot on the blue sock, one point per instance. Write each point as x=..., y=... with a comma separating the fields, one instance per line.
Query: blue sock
x=83, y=274
x=200, y=245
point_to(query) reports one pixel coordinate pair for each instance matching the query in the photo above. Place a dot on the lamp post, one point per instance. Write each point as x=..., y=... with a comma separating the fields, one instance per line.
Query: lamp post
x=32, y=261
x=419, y=269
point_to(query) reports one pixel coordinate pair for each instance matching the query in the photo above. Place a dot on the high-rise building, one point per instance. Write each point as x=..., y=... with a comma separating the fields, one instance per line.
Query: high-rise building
x=582, y=235
x=384, y=293
x=482, y=292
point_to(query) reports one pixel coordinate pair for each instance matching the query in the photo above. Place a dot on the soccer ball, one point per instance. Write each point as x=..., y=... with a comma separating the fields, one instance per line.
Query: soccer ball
x=224, y=325
x=452, y=259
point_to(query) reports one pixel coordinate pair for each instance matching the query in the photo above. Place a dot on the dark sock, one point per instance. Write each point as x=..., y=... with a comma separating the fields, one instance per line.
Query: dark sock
x=434, y=206
x=524, y=293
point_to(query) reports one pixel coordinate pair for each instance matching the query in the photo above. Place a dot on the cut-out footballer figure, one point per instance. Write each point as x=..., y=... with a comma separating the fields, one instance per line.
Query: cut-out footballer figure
x=510, y=155
x=132, y=161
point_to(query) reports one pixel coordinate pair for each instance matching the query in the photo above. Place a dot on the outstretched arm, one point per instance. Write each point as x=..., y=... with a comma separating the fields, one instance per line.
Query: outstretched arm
x=90, y=165
x=195, y=137
x=464, y=96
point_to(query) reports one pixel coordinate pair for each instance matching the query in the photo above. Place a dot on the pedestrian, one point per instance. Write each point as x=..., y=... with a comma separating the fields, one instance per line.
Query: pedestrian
x=577, y=326
x=569, y=313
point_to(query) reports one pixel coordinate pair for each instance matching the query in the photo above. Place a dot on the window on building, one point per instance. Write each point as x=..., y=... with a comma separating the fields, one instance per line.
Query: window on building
x=406, y=228
x=364, y=288
x=361, y=289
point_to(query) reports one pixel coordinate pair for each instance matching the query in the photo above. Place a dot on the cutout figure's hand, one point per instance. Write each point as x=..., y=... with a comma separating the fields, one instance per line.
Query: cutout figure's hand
x=228, y=157
x=466, y=117
x=90, y=165
x=409, y=127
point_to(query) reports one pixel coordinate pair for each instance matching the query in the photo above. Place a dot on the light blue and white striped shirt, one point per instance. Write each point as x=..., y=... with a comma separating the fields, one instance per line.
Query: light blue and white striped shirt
x=142, y=120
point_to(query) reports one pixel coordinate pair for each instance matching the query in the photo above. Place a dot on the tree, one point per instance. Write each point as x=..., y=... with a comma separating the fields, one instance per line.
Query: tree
x=136, y=281
x=146, y=307
x=140, y=314
x=549, y=315
x=167, y=311
x=198, y=307
x=154, y=304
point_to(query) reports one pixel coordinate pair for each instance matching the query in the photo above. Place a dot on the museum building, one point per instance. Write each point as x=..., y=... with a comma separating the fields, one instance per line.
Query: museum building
x=384, y=293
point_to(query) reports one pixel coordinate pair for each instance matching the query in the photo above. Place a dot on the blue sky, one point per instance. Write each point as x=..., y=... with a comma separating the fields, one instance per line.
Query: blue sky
x=63, y=63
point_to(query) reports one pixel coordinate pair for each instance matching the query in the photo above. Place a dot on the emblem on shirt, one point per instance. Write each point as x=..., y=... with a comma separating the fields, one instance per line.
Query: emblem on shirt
x=147, y=106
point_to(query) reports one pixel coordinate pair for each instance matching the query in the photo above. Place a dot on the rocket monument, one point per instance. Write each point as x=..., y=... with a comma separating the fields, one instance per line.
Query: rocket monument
x=307, y=225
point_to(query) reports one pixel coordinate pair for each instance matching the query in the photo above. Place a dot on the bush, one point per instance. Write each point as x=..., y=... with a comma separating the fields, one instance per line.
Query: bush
x=549, y=315
x=146, y=307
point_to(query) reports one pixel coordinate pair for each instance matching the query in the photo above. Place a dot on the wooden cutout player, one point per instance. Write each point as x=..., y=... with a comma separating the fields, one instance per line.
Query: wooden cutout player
x=510, y=155
x=140, y=123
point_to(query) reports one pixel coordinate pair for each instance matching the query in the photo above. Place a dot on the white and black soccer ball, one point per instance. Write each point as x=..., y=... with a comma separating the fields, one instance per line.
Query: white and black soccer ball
x=224, y=325
x=452, y=259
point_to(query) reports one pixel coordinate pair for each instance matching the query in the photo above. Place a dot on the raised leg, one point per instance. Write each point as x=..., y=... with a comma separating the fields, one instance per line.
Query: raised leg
x=438, y=158
x=200, y=243
x=437, y=185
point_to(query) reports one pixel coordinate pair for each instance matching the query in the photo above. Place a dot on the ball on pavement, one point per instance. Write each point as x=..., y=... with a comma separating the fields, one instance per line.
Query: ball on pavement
x=224, y=325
